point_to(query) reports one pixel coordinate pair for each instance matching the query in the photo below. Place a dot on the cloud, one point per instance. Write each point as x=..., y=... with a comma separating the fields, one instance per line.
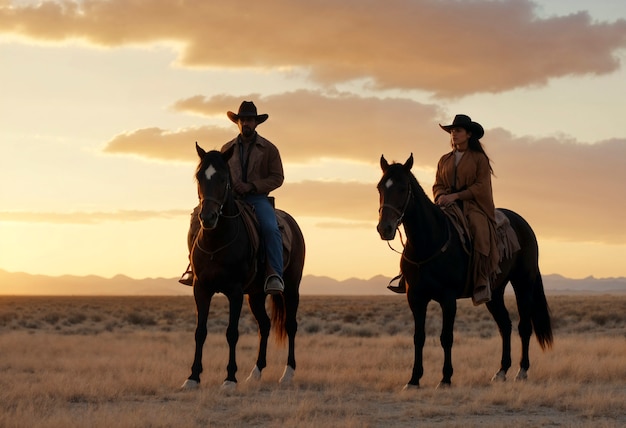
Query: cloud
x=305, y=125
x=566, y=190
x=155, y=143
x=338, y=200
x=88, y=218
x=448, y=47
x=558, y=181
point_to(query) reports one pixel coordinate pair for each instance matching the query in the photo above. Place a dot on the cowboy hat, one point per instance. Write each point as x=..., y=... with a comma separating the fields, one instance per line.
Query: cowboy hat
x=247, y=109
x=465, y=122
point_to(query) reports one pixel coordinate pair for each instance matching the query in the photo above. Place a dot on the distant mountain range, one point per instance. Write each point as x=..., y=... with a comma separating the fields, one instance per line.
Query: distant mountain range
x=16, y=283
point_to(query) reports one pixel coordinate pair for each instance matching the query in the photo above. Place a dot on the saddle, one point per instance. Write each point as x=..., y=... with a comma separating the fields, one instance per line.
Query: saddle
x=506, y=237
x=254, y=233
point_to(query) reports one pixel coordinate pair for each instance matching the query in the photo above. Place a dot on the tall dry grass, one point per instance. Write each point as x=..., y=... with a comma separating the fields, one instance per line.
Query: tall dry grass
x=108, y=361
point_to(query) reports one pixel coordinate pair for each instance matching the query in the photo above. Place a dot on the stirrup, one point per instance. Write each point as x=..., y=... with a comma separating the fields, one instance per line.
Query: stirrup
x=400, y=288
x=187, y=277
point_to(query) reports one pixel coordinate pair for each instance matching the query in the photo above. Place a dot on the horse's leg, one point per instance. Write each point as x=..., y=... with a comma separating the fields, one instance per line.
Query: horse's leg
x=203, y=303
x=448, y=309
x=235, y=300
x=523, y=295
x=292, y=301
x=418, y=307
x=257, y=306
x=498, y=311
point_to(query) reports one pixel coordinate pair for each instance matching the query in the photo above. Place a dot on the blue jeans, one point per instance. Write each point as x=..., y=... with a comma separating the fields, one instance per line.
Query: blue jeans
x=270, y=234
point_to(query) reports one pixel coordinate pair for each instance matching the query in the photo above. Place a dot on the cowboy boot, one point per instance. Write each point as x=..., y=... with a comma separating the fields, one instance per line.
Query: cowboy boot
x=274, y=285
x=482, y=293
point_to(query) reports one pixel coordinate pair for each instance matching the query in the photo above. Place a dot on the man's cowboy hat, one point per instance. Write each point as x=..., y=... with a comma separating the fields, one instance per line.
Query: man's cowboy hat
x=247, y=109
x=465, y=122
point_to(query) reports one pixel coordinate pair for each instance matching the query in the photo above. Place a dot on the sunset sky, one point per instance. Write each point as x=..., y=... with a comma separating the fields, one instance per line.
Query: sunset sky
x=101, y=103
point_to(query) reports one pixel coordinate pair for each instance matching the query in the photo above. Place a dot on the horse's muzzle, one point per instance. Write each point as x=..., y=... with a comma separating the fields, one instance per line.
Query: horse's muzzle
x=386, y=230
x=209, y=220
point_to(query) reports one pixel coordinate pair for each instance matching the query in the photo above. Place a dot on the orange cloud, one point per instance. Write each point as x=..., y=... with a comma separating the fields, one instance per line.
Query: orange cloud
x=155, y=143
x=449, y=47
x=88, y=217
x=560, y=182
x=306, y=125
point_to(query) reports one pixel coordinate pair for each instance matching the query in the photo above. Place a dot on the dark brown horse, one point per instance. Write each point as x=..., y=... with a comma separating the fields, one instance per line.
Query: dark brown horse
x=435, y=267
x=224, y=261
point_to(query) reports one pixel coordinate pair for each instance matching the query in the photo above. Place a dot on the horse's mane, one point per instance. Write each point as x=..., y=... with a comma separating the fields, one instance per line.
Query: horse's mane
x=416, y=188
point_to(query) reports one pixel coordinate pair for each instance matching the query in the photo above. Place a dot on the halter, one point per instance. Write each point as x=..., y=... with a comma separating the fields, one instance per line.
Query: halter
x=441, y=250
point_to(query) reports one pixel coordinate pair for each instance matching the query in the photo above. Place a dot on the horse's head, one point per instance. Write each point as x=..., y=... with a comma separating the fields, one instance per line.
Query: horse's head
x=214, y=187
x=394, y=190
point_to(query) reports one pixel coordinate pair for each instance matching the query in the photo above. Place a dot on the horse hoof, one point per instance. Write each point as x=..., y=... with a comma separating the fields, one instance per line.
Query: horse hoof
x=190, y=385
x=521, y=375
x=410, y=387
x=443, y=385
x=287, y=376
x=229, y=385
x=499, y=377
x=255, y=375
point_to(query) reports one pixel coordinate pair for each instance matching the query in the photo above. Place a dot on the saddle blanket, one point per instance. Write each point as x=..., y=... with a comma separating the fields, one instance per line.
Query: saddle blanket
x=506, y=237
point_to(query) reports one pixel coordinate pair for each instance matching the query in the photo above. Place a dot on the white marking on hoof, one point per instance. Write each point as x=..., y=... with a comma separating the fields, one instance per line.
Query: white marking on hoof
x=443, y=385
x=190, y=385
x=500, y=376
x=287, y=376
x=255, y=374
x=410, y=387
x=521, y=375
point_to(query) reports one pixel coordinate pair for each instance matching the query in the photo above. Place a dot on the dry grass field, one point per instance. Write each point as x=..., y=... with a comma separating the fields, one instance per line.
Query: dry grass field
x=119, y=361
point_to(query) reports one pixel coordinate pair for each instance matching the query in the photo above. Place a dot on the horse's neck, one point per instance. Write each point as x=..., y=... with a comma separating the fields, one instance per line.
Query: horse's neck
x=424, y=224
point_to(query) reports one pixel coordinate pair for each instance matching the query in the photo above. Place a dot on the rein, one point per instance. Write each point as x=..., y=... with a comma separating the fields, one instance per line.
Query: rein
x=441, y=250
x=212, y=253
x=437, y=253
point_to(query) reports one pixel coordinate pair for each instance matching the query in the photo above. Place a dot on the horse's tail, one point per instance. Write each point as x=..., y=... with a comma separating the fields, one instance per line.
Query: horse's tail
x=279, y=317
x=542, y=324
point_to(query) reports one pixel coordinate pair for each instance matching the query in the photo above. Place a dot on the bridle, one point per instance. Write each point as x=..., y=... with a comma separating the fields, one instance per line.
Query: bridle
x=401, y=214
x=220, y=213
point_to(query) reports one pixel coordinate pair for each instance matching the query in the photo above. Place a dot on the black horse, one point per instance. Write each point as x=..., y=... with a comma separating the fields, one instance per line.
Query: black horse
x=435, y=267
x=223, y=261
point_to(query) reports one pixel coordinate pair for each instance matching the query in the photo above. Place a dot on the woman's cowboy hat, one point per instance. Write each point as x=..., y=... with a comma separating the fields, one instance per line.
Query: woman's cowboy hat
x=465, y=122
x=247, y=109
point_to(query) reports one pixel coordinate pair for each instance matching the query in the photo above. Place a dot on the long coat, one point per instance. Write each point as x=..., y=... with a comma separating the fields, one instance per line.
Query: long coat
x=265, y=168
x=473, y=184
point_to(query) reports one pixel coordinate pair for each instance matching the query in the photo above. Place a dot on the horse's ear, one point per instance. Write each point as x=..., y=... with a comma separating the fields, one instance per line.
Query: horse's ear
x=228, y=153
x=200, y=151
x=384, y=165
x=409, y=163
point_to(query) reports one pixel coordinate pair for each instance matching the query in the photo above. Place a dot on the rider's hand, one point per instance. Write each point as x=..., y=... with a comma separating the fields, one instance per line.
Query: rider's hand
x=243, y=188
x=447, y=200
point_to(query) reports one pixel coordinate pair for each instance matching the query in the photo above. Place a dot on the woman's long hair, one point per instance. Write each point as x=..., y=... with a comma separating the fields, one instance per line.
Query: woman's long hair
x=475, y=145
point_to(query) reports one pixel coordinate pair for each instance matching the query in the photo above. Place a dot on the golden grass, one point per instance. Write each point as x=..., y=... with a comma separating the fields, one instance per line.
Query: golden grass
x=119, y=361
